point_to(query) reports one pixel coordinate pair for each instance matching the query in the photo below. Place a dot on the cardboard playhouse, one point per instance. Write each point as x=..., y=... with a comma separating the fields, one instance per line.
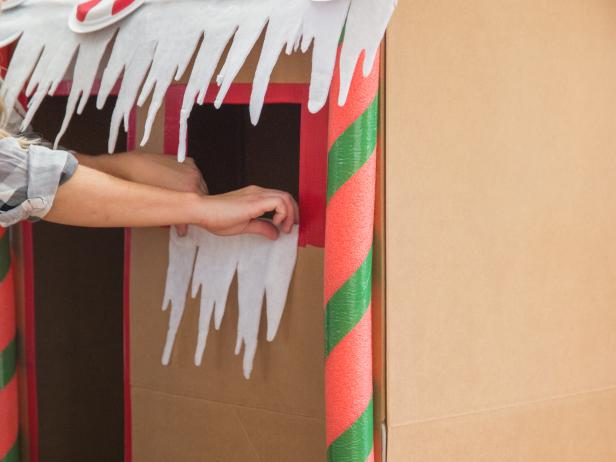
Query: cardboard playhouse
x=452, y=298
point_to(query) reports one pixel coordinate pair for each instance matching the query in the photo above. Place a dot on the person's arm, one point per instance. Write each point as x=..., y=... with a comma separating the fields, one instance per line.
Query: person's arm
x=95, y=199
x=152, y=169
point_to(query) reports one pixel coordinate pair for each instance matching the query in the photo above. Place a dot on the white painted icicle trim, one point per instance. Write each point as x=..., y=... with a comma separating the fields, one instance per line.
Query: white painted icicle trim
x=264, y=269
x=154, y=46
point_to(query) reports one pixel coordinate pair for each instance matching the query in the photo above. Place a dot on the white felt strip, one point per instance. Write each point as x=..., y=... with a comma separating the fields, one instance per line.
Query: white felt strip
x=154, y=45
x=181, y=260
x=264, y=269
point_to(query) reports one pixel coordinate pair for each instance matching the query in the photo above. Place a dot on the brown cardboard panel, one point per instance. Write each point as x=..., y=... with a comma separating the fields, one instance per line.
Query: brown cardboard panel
x=197, y=430
x=501, y=232
x=288, y=373
x=293, y=68
x=178, y=428
x=184, y=412
x=572, y=429
x=284, y=437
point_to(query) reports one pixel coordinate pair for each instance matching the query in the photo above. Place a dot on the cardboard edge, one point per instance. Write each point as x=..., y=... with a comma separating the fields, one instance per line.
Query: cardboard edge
x=379, y=301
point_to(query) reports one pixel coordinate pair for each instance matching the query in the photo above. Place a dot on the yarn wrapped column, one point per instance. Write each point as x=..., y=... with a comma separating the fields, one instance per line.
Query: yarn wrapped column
x=9, y=425
x=348, y=269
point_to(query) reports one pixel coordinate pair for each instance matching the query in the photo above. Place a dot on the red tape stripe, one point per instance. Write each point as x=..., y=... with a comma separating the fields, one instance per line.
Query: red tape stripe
x=7, y=310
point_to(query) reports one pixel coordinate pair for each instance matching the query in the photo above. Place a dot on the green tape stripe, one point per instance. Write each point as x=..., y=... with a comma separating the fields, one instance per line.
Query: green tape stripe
x=352, y=148
x=13, y=454
x=355, y=444
x=348, y=305
x=5, y=256
x=7, y=364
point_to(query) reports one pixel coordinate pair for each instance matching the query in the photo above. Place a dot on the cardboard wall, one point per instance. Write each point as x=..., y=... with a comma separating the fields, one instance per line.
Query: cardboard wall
x=184, y=412
x=501, y=231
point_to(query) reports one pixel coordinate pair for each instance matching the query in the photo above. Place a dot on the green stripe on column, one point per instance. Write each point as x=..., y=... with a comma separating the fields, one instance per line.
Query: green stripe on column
x=5, y=255
x=13, y=454
x=352, y=445
x=7, y=364
x=352, y=149
x=348, y=305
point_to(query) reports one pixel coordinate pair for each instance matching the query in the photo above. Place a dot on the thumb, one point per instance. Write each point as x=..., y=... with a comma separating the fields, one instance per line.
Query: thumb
x=262, y=228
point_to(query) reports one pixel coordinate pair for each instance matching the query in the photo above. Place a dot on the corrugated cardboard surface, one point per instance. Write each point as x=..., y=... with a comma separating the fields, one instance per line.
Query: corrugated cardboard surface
x=211, y=413
x=207, y=413
x=501, y=185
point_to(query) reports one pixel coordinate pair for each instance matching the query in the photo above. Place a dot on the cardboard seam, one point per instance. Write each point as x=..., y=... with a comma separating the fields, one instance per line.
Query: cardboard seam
x=564, y=397
x=252, y=446
x=383, y=146
x=225, y=403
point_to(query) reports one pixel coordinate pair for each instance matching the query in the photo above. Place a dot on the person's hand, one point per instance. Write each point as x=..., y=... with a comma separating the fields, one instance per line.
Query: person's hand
x=238, y=212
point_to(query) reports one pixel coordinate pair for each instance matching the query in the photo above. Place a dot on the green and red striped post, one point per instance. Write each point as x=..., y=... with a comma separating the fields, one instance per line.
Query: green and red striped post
x=9, y=423
x=349, y=234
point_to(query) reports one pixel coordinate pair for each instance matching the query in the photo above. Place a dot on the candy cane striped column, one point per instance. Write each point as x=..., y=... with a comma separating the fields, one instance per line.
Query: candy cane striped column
x=348, y=270
x=9, y=425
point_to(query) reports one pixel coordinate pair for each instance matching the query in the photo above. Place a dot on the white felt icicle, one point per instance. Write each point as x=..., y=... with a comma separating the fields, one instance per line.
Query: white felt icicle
x=153, y=46
x=264, y=270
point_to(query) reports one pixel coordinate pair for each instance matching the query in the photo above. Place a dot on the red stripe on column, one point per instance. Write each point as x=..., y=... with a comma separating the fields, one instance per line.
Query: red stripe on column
x=7, y=310
x=346, y=369
x=350, y=212
x=9, y=414
x=360, y=97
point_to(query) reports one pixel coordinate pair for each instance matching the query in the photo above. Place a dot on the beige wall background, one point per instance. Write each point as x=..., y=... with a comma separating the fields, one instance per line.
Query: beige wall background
x=501, y=230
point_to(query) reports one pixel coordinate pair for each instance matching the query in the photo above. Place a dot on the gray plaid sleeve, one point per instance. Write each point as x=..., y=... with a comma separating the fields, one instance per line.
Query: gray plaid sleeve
x=29, y=180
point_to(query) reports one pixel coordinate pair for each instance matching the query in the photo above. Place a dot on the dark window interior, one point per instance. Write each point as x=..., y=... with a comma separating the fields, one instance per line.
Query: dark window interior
x=78, y=289
x=232, y=153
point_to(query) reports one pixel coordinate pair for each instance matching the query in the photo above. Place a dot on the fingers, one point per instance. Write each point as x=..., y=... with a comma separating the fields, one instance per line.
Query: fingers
x=290, y=212
x=261, y=228
x=282, y=203
x=279, y=206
